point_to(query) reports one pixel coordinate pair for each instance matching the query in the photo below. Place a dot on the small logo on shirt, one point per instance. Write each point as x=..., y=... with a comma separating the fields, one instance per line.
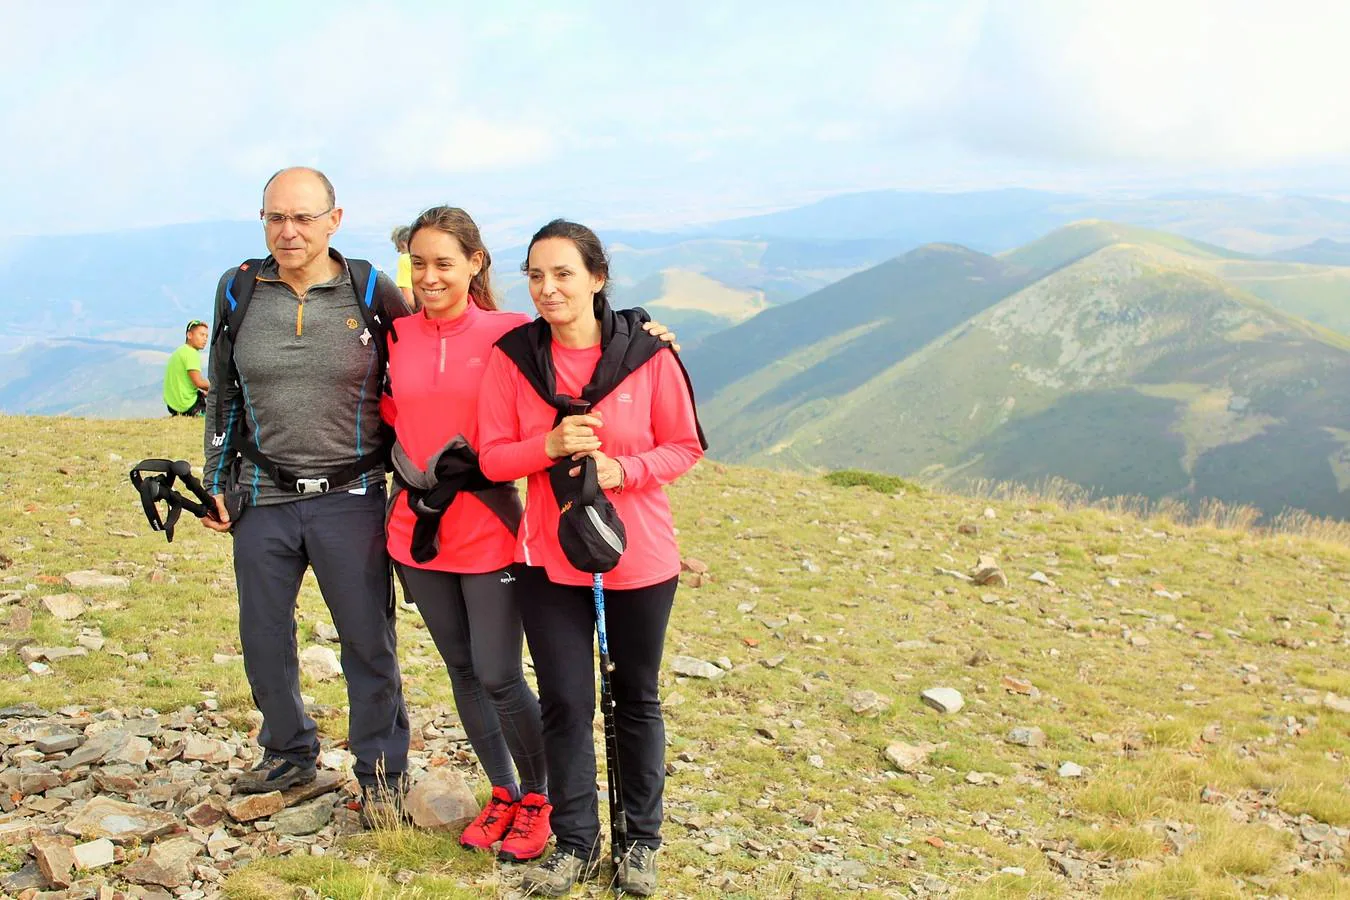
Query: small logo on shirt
x=475, y=362
x=352, y=323
x=508, y=578
x=365, y=338
x=625, y=397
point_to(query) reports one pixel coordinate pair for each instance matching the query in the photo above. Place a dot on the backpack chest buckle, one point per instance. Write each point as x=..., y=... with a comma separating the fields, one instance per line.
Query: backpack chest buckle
x=311, y=485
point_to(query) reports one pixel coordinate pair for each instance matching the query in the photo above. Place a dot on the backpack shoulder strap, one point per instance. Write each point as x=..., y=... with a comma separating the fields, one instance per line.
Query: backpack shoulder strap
x=229, y=318
x=239, y=291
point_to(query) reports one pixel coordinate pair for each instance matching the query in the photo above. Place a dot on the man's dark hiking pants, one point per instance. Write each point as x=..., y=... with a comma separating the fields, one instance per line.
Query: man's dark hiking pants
x=560, y=627
x=341, y=535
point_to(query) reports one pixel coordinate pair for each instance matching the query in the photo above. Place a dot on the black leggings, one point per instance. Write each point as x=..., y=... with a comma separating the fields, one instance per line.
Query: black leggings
x=560, y=626
x=475, y=622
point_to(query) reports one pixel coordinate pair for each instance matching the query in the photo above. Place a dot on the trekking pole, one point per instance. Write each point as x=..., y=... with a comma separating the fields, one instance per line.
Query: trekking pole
x=157, y=486
x=618, y=816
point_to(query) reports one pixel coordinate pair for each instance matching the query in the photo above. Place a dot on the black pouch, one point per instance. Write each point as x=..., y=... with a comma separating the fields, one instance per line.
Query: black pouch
x=236, y=497
x=589, y=528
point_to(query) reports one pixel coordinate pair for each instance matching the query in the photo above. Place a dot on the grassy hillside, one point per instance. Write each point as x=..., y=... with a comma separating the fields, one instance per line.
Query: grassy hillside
x=1318, y=293
x=1073, y=242
x=1185, y=674
x=1131, y=370
x=871, y=318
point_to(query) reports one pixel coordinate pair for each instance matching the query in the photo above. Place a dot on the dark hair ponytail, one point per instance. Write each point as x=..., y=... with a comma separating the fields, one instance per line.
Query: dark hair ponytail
x=459, y=225
x=593, y=255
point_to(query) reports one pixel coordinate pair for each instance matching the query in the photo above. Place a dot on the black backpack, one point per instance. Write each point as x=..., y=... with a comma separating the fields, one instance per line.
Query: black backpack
x=230, y=316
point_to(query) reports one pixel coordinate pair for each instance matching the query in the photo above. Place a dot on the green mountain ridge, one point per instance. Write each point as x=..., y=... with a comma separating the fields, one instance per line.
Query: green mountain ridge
x=1132, y=369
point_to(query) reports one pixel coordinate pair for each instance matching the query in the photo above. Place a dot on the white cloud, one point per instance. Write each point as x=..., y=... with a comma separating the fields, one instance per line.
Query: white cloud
x=1190, y=81
x=435, y=143
x=136, y=115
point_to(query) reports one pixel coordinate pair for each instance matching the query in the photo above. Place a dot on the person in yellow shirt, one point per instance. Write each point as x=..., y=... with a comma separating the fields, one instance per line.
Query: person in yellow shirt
x=404, y=276
x=184, y=387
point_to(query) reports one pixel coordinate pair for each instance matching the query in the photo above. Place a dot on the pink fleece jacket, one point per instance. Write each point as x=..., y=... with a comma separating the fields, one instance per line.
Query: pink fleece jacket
x=436, y=368
x=649, y=427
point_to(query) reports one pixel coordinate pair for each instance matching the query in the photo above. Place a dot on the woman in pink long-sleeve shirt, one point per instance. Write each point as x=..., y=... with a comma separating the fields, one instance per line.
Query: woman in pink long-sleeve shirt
x=642, y=435
x=459, y=568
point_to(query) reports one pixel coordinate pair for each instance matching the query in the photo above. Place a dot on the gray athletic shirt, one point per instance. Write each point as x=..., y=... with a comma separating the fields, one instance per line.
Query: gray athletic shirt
x=309, y=384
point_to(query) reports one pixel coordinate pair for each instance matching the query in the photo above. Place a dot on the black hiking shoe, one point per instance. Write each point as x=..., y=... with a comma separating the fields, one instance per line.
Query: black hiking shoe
x=274, y=774
x=382, y=805
x=555, y=876
x=637, y=871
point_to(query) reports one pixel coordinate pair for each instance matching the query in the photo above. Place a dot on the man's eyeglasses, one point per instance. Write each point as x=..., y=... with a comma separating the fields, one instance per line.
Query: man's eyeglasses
x=301, y=220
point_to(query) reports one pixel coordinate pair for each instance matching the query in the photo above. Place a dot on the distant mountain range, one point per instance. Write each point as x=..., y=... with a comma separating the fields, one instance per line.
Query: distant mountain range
x=140, y=287
x=1126, y=360
x=84, y=377
x=1322, y=252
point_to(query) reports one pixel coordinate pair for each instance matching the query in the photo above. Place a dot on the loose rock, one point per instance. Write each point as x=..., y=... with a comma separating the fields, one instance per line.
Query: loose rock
x=690, y=667
x=95, y=854
x=305, y=819
x=120, y=822
x=943, y=699
x=89, y=580
x=441, y=801
x=320, y=663
x=169, y=864
x=55, y=858
x=867, y=703
x=1027, y=737
x=64, y=606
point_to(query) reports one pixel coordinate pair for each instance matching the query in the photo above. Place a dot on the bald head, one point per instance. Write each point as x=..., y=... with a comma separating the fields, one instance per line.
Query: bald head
x=299, y=218
x=303, y=173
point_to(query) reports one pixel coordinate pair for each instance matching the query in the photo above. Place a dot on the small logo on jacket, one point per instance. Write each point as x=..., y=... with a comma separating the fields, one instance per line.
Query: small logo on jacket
x=508, y=578
x=625, y=397
x=352, y=323
x=475, y=362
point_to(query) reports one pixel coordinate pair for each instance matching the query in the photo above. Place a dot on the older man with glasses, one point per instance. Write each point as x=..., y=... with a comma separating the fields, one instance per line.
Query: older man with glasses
x=299, y=395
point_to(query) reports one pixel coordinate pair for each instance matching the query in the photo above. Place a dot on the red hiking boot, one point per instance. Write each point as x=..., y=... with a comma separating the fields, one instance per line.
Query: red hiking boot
x=529, y=832
x=492, y=823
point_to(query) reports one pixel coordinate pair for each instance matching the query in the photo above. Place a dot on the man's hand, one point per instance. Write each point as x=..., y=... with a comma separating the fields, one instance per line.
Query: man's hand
x=221, y=520
x=574, y=435
x=656, y=329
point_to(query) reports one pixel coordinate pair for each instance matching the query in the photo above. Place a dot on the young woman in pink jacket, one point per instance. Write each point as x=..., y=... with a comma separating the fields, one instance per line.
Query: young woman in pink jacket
x=452, y=534
x=642, y=435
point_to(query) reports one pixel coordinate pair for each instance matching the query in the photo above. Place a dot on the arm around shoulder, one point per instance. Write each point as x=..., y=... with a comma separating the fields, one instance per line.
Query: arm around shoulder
x=674, y=426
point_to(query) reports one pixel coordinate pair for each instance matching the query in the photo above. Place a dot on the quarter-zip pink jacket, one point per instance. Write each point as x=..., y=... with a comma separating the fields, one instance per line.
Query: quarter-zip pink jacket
x=435, y=369
x=649, y=427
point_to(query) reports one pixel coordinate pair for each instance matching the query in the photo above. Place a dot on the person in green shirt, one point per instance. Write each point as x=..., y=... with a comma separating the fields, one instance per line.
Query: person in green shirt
x=184, y=387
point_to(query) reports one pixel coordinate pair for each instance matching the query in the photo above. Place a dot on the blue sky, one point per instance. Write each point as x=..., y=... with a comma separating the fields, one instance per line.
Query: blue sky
x=118, y=115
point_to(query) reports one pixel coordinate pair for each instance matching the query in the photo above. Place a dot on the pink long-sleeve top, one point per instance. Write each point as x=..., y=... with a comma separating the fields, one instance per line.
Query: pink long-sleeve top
x=649, y=427
x=436, y=368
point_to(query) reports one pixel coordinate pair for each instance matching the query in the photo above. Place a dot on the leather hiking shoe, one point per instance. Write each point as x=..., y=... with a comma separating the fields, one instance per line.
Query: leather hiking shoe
x=555, y=876
x=382, y=806
x=637, y=871
x=530, y=832
x=492, y=823
x=274, y=774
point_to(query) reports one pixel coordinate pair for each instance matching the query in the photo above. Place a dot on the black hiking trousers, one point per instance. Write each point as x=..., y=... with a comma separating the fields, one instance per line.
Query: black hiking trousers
x=560, y=628
x=340, y=535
